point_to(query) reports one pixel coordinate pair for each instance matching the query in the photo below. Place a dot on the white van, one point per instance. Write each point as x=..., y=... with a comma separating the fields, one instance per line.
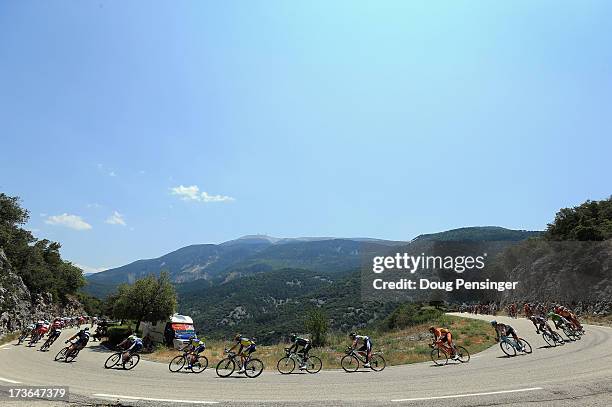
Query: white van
x=174, y=332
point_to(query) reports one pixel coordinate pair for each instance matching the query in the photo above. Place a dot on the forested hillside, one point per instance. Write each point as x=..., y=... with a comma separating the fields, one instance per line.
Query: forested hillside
x=37, y=262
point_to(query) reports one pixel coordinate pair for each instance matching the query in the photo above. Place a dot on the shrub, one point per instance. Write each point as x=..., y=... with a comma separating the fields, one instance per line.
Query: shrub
x=116, y=334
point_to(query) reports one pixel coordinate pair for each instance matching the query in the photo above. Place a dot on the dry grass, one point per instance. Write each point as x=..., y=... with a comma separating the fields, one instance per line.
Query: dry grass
x=399, y=347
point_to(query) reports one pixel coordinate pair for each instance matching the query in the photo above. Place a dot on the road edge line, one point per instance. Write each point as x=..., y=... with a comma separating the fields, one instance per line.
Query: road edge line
x=120, y=397
x=453, y=396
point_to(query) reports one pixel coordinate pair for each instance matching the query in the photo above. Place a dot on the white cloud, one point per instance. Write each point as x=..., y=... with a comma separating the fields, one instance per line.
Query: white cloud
x=70, y=221
x=192, y=193
x=116, y=219
x=112, y=174
x=89, y=269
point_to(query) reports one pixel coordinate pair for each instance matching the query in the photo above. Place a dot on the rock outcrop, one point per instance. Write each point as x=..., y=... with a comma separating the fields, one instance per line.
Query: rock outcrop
x=18, y=307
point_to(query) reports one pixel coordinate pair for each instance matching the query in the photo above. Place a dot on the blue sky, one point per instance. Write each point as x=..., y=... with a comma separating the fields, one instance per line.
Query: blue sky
x=381, y=119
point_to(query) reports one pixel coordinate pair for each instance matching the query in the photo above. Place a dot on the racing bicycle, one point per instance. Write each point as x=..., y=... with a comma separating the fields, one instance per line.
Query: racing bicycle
x=510, y=347
x=199, y=364
x=253, y=367
x=351, y=361
x=287, y=364
x=552, y=338
x=116, y=359
x=67, y=354
x=440, y=355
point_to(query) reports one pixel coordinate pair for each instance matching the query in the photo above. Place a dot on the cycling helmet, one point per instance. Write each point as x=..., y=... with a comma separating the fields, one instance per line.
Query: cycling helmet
x=431, y=329
x=352, y=335
x=493, y=322
x=293, y=337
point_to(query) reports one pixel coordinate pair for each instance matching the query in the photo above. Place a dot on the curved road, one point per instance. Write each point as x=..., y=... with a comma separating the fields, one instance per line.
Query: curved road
x=578, y=373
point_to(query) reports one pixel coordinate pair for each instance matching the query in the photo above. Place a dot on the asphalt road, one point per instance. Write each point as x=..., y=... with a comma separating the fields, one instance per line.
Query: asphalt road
x=578, y=373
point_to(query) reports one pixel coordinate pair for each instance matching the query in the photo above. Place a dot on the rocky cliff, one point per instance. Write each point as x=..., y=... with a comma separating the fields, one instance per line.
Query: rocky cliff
x=18, y=307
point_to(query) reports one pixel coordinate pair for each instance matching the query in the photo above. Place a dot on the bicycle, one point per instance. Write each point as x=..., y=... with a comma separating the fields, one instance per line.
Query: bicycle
x=253, y=367
x=552, y=338
x=50, y=340
x=68, y=354
x=286, y=365
x=116, y=359
x=570, y=332
x=24, y=334
x=178, y=362
x=440, y=354
x=510, y=347
x=350, y=362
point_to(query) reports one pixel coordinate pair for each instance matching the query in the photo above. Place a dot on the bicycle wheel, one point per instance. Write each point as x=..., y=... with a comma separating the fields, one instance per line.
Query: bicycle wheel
x=226, y=367
x=61, y=354
x=176, y=363
x=569, y=334
x=200, y=364
x=349, y=363
x=70, y=356
x=253, y=368
x=377, y=363
x=507, y=348
x=439, y=356
x=45, y=345
x=313, y=364
x=526, y=347
x=558, y=339
x=112, y=360
x=131, y=362
x=464, y=355
x=549, y=339
x=285, y=365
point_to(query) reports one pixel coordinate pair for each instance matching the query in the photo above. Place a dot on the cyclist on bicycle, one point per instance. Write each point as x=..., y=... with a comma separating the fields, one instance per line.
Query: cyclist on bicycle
x=305, y=345
x=247, y=346
x=505, y=330
x=541, y=324
x=558, y=320
x=83, y=338
x=366, y=348
x=570, y=316
x=131, y=344
x=194, y=347
x=441, y=336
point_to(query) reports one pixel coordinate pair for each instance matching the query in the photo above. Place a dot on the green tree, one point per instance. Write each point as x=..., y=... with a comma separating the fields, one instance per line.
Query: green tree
x=37, y=262
x=590, y=221
x=149, y=299
x=317, y=324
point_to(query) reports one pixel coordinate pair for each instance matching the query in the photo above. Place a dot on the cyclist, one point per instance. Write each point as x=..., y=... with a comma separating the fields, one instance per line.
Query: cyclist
x=83, y=338
x=541, y=324
x=558, y=320
x=441, y=336
x=194, y=347
x=366, y=348
x=305, y=345
x=505, y=330
x=247, y=346
x=570, y=316
x=55, y=331
x=131, y=344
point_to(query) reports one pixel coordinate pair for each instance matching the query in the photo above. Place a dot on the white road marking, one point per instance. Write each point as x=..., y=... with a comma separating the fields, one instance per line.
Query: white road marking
x=2, y=379
x=471, y=394
x=116, y=396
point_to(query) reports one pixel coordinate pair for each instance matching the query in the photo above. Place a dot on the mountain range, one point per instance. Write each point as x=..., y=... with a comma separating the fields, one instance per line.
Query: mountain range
x=219, y=263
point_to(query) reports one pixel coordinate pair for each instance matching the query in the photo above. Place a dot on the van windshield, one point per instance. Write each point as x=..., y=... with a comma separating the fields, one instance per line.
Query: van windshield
x=183, y=330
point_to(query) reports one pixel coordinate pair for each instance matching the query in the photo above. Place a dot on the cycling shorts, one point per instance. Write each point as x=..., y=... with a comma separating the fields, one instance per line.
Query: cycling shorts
x=367, y=346
x=199, y=348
